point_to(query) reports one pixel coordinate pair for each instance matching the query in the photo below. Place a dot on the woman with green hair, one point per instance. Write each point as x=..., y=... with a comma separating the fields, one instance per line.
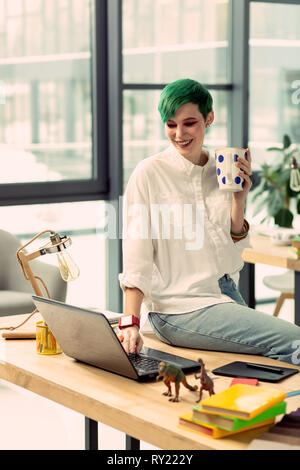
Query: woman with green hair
x=182, y=243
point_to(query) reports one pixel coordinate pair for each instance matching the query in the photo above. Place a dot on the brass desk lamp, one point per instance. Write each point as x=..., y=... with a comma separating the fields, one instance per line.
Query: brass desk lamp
x=68, y=269
x=46, y=343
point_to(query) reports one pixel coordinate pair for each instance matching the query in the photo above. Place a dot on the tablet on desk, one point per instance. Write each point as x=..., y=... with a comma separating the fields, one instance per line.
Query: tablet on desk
x=262, y=372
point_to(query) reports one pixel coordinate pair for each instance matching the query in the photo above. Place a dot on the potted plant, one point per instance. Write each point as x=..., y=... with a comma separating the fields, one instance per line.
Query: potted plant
x=273, y=192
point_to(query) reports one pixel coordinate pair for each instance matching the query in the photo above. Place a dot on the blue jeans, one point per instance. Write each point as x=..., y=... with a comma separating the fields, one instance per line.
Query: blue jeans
x=230, y=327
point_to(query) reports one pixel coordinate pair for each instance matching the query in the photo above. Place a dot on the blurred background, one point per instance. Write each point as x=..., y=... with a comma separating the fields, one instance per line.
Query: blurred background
x=46, y=97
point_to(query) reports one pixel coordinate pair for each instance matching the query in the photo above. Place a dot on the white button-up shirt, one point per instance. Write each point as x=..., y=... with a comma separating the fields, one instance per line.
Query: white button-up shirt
x=176, y=234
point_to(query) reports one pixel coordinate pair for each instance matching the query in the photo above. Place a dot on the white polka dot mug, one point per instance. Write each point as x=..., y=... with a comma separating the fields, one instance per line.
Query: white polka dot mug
x=227, y=171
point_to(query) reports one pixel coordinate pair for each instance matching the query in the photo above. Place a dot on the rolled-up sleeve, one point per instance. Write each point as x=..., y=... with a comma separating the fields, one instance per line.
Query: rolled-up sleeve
x=137, y=243
x=241, y=245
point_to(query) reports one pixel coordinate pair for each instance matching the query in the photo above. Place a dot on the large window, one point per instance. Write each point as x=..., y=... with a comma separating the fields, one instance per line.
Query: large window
x=169, y=39
x=52, y=102
x=274, y=91
x=47, y=56
x=164, y=40
x=274, y=106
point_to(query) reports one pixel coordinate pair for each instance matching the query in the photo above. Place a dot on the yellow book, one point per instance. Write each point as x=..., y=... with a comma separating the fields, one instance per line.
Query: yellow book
x=186, y=422
x=242, y=401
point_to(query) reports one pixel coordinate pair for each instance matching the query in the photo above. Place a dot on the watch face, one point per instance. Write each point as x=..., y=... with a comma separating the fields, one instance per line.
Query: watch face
x=126, y=321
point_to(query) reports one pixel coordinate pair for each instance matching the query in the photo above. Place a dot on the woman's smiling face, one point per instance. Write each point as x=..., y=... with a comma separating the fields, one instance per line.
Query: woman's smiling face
x=186, y=131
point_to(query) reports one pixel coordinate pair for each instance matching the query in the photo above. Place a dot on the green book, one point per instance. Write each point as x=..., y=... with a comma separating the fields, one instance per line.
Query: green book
x=232, y=424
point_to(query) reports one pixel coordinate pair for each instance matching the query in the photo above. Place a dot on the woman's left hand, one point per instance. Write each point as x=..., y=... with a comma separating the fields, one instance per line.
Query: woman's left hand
x=245, y=165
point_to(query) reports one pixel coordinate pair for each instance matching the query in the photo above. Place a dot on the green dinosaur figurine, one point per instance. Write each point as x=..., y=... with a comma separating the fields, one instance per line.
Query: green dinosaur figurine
x=172, y=373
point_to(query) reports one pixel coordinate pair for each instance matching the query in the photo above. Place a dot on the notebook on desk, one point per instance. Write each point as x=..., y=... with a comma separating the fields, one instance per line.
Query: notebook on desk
x=87, y=336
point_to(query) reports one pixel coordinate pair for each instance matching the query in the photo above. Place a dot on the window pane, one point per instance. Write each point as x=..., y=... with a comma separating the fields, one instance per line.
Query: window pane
x=45, y=90
x=169, y=39
x=144, y=132
x=274, y=77
x=84, y=222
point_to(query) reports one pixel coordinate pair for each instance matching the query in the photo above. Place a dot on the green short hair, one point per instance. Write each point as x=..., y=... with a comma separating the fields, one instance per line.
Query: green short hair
x=184, y=91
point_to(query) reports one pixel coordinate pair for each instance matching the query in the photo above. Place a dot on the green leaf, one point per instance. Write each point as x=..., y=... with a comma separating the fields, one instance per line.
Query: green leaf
x=275, y=204
x=274, y=177
x=278, y=167
x=298, y=207
x=262, y=204
x=259, y=190
x=291, y=152
x=264, y=219
x=274, y=149
x=286, y=141
x=284, y=218
x=284, y=176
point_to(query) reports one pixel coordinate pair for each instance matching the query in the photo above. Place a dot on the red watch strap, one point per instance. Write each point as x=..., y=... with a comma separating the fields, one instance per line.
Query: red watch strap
x=136, y=321
x=128, y=320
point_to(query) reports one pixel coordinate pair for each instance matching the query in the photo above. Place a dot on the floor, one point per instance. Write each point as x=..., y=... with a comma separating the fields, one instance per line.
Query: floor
x=54, y=427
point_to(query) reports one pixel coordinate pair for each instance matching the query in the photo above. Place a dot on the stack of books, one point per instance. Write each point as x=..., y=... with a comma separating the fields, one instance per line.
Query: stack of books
x=237, y=409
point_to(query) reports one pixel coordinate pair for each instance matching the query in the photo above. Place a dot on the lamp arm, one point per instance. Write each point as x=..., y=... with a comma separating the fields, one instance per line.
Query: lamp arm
x=34, y=238
x=24, y=262
x=29, y=274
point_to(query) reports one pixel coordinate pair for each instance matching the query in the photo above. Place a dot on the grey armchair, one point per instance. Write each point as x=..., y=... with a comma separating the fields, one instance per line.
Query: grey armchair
x=15, y=290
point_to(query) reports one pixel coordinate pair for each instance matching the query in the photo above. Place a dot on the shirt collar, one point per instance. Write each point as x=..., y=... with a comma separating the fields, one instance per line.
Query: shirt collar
x=183, y=163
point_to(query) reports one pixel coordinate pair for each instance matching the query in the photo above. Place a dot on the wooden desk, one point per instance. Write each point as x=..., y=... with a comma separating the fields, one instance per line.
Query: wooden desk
x=137, y=409
x=264, y=252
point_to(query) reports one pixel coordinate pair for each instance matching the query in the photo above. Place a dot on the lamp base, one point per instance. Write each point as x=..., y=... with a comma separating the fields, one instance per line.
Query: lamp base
x=46, y=344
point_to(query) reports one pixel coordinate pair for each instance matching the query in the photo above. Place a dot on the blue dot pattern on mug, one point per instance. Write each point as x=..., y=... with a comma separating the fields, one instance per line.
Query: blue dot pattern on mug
x=222, y=180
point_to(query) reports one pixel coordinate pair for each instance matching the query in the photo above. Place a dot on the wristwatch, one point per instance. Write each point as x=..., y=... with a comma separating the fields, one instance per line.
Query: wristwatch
x=128, y=320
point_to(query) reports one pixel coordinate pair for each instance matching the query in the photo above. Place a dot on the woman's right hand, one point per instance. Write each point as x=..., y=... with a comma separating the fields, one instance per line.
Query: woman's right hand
x=131, y=339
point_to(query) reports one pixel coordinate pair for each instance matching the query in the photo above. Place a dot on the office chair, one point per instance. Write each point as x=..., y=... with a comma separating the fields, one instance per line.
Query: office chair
x=15, y=290
x=285, y=283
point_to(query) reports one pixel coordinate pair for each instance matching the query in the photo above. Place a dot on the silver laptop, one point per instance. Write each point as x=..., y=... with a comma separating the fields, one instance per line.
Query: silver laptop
x=87, y=336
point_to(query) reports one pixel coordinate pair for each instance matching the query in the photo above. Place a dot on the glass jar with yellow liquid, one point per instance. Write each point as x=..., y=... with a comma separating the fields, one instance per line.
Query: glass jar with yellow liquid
x=45, y=341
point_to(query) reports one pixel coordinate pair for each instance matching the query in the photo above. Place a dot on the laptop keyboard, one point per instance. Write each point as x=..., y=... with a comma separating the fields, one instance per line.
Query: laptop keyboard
x=144, y=363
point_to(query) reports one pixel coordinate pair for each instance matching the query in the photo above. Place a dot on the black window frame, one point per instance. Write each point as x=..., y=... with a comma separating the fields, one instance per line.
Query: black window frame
x=96, y=188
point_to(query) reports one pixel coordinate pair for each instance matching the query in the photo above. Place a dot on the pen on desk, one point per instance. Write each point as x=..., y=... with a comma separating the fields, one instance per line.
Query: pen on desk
x=264, y=368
